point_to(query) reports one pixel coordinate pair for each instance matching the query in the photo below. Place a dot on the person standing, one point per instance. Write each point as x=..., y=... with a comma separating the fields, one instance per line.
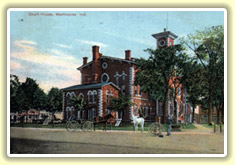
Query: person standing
x=169, y=123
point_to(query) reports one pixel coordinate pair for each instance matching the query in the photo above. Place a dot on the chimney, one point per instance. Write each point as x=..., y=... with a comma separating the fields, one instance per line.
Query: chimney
x=95, y=52
x=128, y=55
x=85, y=60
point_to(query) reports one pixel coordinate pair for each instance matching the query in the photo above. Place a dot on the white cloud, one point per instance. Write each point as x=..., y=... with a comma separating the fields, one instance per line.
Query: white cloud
x=57, y=63
x=63, y=46
x=25, y=45
x=15, y=65
x=92, y=43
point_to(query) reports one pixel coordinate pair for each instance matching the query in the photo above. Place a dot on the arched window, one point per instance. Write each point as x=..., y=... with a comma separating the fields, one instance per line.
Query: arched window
x=72, y=111
x=81, y=95
x=73, y=94
x=94, y=96
x=68, y=95
x=89, y=94
x=68, y=113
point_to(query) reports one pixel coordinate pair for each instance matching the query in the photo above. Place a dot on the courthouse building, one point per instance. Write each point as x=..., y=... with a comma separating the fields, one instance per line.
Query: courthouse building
x=105, y=77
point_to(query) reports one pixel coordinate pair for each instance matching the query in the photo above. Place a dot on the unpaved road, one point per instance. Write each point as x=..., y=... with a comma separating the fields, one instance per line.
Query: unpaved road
x=59, y=141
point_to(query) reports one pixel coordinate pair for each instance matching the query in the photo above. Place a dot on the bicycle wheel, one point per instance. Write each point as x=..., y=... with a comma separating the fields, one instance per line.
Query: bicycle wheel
x=154, y=129
x=88, y=126
x=72, y=126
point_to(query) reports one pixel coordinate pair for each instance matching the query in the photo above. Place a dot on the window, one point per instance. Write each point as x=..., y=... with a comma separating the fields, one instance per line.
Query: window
x=111, y=94
x=136, y=90
x=123, y=78
x=79, y=114
x=90, y=114
x=73, y=94
x=181, y=108
x=141, y=89
x=81, y=95
x=68, y=95
x=89, y=94
x=104, y=65
x=136, y=108
x=104, y=77
x=214, y=108
x=107, y=96
x=94, y=96
x=145, y=111
x=106, y=111
x=179, y=92
x=94, y=113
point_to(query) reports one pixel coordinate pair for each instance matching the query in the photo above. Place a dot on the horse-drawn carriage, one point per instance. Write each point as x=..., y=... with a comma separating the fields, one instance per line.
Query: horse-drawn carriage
x=74, y=124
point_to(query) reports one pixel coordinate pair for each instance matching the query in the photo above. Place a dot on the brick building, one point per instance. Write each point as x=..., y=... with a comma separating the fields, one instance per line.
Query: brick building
x=201, y=115
x=105, y=77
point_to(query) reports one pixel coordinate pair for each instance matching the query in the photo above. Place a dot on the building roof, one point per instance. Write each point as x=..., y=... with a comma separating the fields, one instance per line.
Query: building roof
x=90, y=86
x=112, y=58
x=165, y=34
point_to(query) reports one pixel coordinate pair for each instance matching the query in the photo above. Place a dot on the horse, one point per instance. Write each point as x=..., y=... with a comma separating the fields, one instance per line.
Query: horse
x=137, y=121
x=103, y=120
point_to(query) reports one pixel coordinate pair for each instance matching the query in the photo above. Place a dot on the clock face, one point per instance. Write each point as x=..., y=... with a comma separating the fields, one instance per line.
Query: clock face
x=162, y=42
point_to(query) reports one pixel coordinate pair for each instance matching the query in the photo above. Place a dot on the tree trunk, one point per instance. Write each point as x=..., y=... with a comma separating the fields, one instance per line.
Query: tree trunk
x=210, y=106
x=175, y=109
x=165, y=106
x=193, y=114
x=52, y=120
x=218, y=116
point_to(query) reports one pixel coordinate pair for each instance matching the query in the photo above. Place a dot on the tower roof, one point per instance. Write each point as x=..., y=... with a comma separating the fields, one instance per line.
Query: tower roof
x=165, y=34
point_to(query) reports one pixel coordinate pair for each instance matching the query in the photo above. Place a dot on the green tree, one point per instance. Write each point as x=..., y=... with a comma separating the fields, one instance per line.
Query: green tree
x=208, y=48
x=79, y=103
x=33, y=96
x=156, y=75
x=120, y=104
x=26, y=95
x=54, y=100
x=194, y=83
x=15, y=102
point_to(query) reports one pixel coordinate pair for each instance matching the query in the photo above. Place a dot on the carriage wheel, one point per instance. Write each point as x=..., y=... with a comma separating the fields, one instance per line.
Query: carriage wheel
x=88, y=126
x=155, y=129
x=72, y=126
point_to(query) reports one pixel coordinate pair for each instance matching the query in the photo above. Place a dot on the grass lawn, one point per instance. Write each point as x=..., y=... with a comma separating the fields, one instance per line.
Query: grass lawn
x=124, y=127
x=212, y=126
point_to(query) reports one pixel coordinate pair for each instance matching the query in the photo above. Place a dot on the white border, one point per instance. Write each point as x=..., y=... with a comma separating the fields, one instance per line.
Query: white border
x=116, y=9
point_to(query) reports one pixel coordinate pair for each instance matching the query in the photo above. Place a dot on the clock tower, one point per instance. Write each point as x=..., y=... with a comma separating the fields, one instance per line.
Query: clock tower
x=164, y=39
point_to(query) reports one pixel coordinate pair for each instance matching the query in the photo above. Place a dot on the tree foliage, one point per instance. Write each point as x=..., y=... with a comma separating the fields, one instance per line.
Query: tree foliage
x=55, y=98
x=157, y=76
x=207, y=49
x=79, y=102
x=120, y=104
x=28, y=95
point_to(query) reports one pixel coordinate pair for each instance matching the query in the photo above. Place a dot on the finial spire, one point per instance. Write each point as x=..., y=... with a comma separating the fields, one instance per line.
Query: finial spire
x=167, y=21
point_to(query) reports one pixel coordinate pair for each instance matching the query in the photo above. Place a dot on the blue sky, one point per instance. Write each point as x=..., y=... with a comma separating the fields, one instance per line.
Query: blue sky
x=50, y=48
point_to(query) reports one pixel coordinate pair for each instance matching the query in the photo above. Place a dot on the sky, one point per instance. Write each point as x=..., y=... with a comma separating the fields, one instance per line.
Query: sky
x=49, y=47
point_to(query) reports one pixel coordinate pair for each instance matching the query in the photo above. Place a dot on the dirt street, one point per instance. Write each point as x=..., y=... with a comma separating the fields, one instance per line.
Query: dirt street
x=59, y=141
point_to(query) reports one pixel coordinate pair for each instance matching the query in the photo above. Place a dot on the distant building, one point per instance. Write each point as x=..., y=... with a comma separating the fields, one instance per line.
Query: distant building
x=201, y=115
